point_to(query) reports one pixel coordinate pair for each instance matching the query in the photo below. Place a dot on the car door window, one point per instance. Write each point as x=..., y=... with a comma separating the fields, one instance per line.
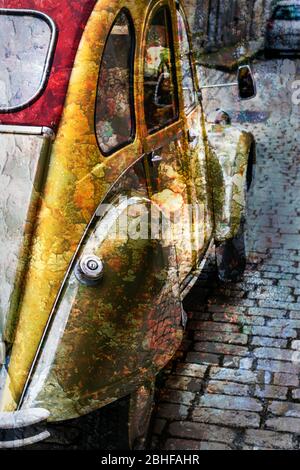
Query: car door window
x=115, y=108
x=160, y=90
x=188, y=86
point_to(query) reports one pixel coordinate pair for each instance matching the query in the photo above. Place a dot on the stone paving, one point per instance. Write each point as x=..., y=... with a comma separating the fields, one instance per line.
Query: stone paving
x=235, y=382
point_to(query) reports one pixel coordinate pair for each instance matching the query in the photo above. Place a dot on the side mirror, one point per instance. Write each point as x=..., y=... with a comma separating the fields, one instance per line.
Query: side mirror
x=246, y=83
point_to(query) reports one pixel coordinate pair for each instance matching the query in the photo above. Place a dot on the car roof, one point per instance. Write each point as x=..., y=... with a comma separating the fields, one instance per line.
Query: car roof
x=286, y=2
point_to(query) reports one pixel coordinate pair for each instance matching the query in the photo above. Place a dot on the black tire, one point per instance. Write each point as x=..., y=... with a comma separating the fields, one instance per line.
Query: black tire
x=104, y=429
x=231, y=256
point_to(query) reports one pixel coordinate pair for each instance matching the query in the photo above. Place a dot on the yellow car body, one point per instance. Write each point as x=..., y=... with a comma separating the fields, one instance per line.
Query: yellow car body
x=72, y=346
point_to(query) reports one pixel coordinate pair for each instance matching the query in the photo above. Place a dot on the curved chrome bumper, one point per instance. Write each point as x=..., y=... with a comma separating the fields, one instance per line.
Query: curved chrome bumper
x=23, y=428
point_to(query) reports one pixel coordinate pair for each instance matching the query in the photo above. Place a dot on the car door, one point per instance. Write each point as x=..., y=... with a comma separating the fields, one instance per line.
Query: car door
x=194, y=150
x=164, y=138
x=128, y=326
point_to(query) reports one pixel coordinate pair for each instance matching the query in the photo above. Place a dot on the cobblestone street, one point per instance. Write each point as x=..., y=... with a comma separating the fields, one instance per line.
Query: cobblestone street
x=235, y=384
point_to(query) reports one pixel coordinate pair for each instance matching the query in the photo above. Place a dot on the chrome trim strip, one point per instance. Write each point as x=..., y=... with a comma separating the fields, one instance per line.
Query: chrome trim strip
x=19, y=420
x=24, y=442
x=22, y=418
x=48, y=132
x=27, y=130
x=48, y=62
x=2, y=351
x=219, y=85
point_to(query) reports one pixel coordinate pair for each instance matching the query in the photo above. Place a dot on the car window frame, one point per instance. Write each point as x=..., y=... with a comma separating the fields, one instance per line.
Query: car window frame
x=131, y=84
x=49, y=58
x=172, y=36
x=278, y=7
x=180, y=10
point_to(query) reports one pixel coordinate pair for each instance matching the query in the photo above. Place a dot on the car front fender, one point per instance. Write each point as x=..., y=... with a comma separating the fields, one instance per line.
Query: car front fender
x=232, y=150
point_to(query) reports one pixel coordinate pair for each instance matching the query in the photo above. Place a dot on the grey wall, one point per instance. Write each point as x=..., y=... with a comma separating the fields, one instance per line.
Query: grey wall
x=219, y=23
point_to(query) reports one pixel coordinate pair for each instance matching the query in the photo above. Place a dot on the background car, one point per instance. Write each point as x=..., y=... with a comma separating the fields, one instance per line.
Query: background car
x=283, y=29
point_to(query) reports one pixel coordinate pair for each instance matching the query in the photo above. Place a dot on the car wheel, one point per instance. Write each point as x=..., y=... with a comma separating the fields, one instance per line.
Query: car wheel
x=104, y=429
x=231, y=255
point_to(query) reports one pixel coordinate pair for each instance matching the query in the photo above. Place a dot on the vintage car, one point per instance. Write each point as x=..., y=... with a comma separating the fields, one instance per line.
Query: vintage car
x=113, y=188
x=283, y=29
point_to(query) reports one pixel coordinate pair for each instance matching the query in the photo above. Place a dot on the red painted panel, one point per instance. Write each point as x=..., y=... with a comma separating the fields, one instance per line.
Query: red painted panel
x=70, y=17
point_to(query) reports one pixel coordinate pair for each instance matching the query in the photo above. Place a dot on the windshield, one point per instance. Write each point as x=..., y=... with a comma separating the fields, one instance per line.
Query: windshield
x=25, y=49
x=287, y=12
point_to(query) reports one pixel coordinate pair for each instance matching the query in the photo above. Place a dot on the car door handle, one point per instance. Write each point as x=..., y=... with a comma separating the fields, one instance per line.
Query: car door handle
x=192, y=135
x=156, y=158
